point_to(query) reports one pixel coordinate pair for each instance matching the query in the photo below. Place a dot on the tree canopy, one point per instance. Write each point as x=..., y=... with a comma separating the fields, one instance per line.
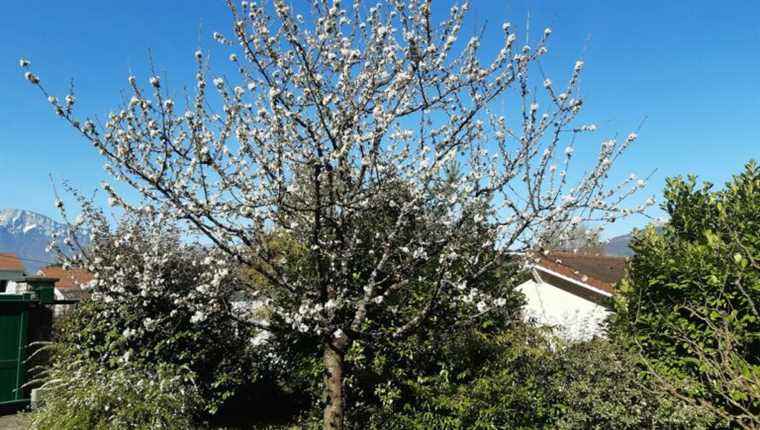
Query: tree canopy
x=690, y=300
x=335, y=107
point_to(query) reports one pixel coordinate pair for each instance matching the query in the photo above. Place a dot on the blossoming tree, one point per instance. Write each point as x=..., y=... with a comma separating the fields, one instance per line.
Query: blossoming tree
x=331, y=114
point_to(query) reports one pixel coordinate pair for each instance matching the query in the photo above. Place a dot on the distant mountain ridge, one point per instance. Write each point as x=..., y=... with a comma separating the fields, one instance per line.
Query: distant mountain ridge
x=27, y=234
x=619, y=246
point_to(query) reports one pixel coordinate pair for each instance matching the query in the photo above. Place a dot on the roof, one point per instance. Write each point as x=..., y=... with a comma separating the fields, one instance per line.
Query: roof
x=10, y=262
x=67, y=278
x=597, y=271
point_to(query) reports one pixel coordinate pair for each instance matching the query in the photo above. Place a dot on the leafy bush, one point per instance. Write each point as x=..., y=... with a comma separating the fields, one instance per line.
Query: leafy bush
x=520, y=377
x=166, y=303
x=81, y=394
x=527, y=379
x=690, y=301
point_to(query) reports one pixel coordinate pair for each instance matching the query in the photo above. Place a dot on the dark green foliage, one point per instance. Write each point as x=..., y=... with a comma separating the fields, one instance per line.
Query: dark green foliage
x=526, y=379
x=517, y=377
x=688, y=306
x=691, y=296
x=381, y=366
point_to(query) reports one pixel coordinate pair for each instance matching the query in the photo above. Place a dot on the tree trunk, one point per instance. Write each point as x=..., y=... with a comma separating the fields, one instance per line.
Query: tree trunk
x=333, y=418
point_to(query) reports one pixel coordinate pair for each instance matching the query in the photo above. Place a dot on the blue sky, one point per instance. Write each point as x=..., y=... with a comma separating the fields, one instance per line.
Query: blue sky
x=692, y=69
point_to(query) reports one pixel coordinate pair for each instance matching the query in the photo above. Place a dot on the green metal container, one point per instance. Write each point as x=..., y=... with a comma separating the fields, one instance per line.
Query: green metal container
x=14, y=317
x=25, y=318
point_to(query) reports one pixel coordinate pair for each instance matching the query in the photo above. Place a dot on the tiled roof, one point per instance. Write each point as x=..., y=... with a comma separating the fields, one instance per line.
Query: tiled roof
x=10, y=262
x=601, y=272
x=67, y=279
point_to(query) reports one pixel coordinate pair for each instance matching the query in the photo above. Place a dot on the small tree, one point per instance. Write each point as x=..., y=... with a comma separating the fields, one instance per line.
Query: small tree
x=332, y=110
x=690, y=300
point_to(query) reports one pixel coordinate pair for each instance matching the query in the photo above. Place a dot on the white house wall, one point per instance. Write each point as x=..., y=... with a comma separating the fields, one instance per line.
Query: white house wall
x=574, y=317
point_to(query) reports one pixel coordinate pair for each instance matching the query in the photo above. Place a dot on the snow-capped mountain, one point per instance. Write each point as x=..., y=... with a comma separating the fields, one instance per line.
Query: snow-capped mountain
x=27, y=234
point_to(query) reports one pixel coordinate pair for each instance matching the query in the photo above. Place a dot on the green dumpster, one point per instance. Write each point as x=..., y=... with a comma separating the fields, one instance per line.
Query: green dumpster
x=14, y=316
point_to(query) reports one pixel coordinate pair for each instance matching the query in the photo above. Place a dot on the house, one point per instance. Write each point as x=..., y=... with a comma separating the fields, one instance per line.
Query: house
x=11, y=270
x=572, y=292
x=72, y=283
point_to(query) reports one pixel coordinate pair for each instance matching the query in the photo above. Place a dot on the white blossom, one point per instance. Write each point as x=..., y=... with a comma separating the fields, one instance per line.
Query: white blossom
x=198, y=317
x=31, y=77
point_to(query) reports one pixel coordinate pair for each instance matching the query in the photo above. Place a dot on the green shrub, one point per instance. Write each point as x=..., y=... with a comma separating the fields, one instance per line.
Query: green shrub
x=162, y=301
x=530, y=380
x=167, y=304
x=84, y=395
x=218, y=360
x=520, y=377
x=690, y=301
x=380, y=367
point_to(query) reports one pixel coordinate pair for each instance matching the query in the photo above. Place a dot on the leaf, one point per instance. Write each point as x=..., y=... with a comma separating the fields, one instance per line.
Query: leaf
x=738, y=259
